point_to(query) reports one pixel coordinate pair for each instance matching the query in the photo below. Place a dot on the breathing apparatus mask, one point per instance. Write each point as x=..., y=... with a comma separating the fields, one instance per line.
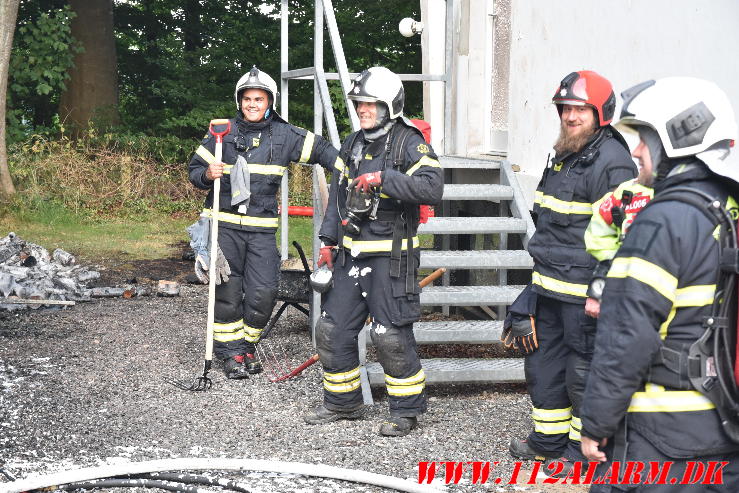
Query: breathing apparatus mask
x=359, y=206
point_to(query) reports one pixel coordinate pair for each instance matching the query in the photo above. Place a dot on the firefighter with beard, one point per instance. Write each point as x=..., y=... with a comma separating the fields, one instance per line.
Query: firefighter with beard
x=256, y=153
x=369, y=239
x=664, y=388
x=590, y=159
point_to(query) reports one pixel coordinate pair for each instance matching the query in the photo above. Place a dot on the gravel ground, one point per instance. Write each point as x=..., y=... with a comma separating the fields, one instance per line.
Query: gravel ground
x=86, y=386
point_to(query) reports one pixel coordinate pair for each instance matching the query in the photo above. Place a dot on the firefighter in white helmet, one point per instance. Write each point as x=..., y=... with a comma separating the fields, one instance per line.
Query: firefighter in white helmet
x=663, y=387
x=256, y=153
x=369, y=238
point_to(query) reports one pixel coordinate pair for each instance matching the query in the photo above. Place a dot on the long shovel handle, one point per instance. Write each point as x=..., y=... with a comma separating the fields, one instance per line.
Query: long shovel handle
x=215, y=213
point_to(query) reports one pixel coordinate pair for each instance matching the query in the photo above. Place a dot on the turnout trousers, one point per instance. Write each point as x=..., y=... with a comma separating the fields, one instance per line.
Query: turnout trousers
x=556, y=374
x=244, y=303
x=361, y=287
x=690, y=475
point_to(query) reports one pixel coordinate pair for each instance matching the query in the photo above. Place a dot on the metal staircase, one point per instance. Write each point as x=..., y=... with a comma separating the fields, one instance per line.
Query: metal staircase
x=513, y=218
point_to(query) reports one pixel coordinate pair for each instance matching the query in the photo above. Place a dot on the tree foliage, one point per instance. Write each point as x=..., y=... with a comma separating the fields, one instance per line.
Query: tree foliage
x=43, y=49
x=178, y=60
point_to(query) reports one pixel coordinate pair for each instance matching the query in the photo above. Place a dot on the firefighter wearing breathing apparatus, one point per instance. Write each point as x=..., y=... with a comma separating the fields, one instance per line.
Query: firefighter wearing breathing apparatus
x=369, y=239
x=256, y=154
x=664, y=386
x=590, y=159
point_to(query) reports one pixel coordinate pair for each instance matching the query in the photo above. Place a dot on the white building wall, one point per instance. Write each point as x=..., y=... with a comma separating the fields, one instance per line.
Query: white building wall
x=627, y=41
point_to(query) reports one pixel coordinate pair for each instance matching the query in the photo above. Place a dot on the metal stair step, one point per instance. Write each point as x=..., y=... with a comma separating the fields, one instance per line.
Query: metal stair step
x=476, y=259
x=461, y=370
x=477, y=192
x=456, y=332
x=472, y=225
x=470, y=295
x=457, y=162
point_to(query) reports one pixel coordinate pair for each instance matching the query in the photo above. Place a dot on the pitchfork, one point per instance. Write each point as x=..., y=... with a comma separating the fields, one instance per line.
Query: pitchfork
x=276, y=361
x=204, y=382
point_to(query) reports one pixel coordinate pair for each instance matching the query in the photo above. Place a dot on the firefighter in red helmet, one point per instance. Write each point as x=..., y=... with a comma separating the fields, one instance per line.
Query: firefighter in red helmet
x=590, y=159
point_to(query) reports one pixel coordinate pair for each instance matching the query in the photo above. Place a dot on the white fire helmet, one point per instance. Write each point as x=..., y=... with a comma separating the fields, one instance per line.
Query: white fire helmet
x=379, y=84
x=691, y=116
x=256, y=79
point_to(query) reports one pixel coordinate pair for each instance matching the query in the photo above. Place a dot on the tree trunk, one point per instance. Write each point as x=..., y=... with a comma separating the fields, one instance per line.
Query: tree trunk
x=8, y=15
x=92, y=90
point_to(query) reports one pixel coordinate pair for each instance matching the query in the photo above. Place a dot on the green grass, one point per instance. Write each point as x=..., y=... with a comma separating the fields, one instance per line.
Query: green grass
x=138, y=237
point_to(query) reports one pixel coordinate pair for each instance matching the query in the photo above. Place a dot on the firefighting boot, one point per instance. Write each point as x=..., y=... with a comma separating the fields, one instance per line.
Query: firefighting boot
x=520, y=449
x=398, y=426
x=321, y=415
x=253, y=365
x=558, y=468
x=234, y=367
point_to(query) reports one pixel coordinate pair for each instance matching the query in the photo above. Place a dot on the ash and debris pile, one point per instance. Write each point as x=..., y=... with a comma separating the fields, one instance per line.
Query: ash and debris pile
x=30, y=275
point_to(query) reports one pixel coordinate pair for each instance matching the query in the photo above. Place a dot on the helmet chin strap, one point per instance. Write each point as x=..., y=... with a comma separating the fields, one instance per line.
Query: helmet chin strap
x=383, y=124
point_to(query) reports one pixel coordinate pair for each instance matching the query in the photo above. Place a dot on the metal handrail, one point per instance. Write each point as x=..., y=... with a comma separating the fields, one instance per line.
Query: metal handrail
x=519, y=207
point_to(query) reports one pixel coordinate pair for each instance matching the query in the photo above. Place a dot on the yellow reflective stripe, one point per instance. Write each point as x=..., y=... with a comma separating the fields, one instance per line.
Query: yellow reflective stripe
x=412, y=385
x=698, y=295
x=417, y=378
x=266, y=169
x=654, y=399
x=227, y=332
x=646, y=272
x=342, y=377
x=205, y=154
x=575, y=427
x=667, y=322
x=252, y=334
x=339, y=165
x=558, y=286
x=310, y=137
x=366, y=246
x=341, y=388
x=262, y=222
x=424, y=161
x=538, y=414
x=405, y=389
x=564, y=207
x=556, y=428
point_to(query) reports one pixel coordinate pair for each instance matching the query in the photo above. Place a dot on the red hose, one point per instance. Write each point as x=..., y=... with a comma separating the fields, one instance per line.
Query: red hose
x=297, y=210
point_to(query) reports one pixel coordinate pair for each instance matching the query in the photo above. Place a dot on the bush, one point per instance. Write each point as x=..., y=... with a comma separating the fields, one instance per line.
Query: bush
x=116, y=175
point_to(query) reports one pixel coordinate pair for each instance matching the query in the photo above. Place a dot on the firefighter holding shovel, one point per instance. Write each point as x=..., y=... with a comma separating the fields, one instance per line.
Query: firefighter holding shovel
x=257, y=147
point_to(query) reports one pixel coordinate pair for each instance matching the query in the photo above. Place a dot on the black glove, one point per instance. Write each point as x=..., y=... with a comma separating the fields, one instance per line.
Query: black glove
x=519, y=332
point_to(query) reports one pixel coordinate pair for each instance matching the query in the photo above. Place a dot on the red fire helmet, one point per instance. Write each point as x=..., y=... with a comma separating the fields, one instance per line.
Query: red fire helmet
x=587, y=88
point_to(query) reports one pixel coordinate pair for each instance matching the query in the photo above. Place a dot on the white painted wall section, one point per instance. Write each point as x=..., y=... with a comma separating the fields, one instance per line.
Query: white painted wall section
x=627, y=41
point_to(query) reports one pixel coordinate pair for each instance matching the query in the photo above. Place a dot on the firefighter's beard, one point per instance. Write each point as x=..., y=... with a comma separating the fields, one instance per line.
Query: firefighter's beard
x=572, y=139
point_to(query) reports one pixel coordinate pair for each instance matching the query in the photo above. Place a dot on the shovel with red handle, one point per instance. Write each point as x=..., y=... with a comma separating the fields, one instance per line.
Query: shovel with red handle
x=204, y=382
x=313, y=359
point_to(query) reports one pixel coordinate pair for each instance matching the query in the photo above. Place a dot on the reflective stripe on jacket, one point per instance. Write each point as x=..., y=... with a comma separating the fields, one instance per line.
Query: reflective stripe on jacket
x=418, y=180
x=563, y=208
x=269, y=148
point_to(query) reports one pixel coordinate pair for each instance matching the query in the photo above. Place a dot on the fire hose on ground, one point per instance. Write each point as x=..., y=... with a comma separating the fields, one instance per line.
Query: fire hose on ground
x=143, y=474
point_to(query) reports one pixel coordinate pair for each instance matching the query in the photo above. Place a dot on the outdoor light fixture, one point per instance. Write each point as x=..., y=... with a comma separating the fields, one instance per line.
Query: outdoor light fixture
x=408, y=27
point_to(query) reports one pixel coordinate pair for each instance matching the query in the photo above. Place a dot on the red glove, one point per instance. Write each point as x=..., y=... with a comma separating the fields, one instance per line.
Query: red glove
x=368, y=180
x=326, y=256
